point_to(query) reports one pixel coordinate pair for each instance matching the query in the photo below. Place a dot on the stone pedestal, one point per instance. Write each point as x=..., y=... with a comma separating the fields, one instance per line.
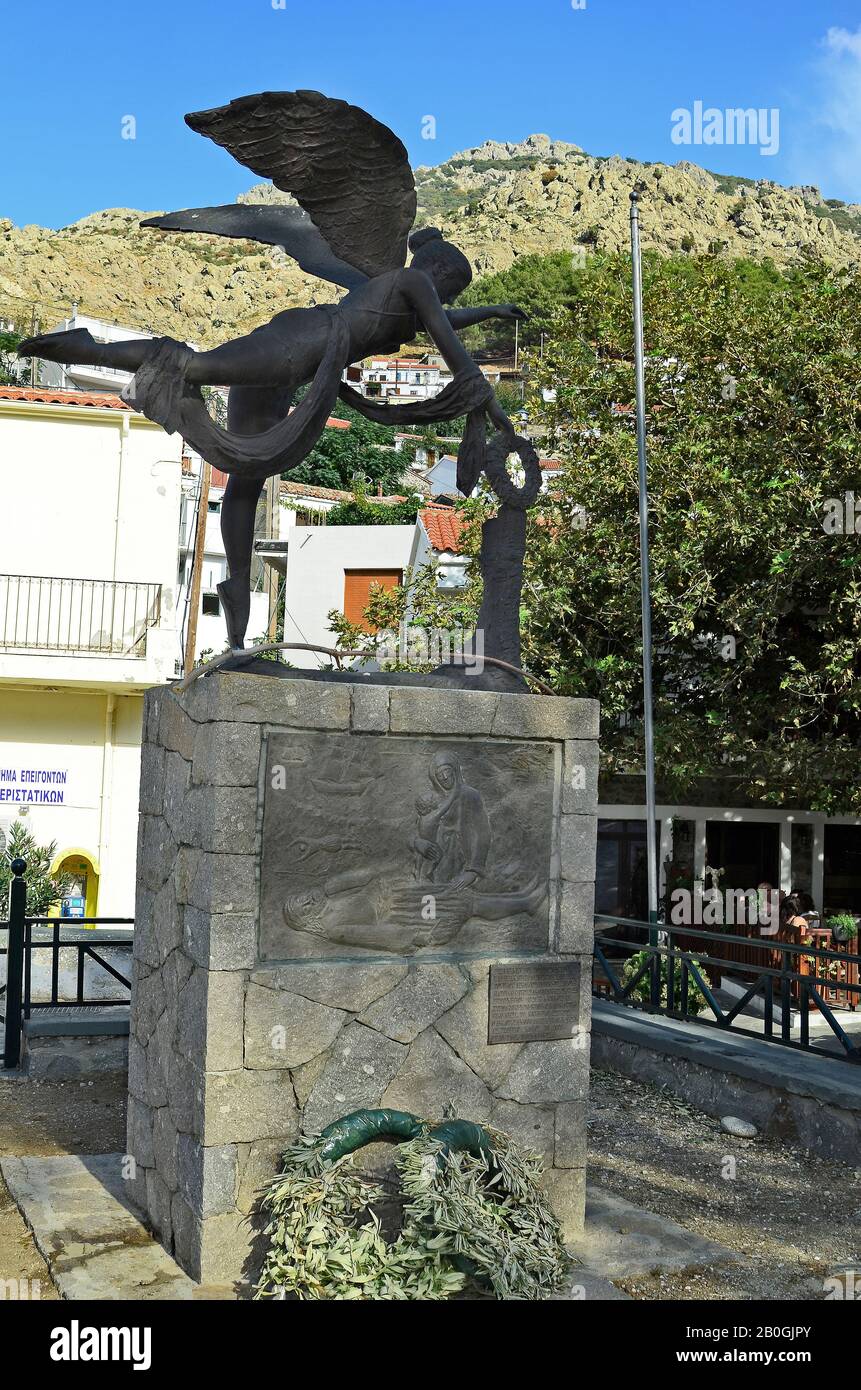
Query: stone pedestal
x=327, y=873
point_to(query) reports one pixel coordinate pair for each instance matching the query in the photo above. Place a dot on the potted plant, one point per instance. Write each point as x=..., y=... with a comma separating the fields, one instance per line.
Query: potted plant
x=843, y=926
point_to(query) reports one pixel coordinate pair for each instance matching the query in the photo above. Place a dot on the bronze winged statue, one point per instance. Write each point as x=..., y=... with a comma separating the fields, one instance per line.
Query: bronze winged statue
x=356, y=198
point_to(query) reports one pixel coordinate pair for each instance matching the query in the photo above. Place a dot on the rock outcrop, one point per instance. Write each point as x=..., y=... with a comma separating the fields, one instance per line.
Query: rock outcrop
x=497, y=201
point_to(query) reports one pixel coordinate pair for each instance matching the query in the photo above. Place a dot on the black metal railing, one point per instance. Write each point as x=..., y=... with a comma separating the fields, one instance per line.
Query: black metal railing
x=672, y=976
x=108, y=617
x=20, y=945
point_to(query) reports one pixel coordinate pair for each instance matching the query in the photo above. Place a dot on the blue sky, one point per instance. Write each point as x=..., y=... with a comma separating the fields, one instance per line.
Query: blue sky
x=607, y=76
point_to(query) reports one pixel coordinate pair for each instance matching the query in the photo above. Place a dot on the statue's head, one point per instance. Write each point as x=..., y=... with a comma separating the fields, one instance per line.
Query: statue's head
x=447, y=267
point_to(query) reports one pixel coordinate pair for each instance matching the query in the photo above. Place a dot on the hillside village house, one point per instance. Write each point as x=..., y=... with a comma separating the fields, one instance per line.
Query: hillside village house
x=407, y=378
x=403, y=378
x=329, y=567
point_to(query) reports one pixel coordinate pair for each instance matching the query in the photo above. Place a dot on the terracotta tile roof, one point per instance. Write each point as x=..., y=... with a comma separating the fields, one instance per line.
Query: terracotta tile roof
x=403, y=364
x=309, y=490
x=330, y=493
x=45, y=395
x=444, y=527
x=333, y=422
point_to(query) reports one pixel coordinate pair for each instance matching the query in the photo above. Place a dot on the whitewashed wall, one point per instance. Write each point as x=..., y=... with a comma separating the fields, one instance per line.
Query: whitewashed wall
x=317, y=559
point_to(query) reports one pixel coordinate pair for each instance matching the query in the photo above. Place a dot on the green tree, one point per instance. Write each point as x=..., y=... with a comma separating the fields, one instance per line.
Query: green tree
x=44, y=890
x=754, y=424
x=339, y=455
x=540, y=285
x=9, y=341
x=363, y=511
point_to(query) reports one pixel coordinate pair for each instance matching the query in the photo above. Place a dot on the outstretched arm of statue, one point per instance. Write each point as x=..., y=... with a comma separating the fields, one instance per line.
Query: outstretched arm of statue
x=465, y=318
x=420, y=293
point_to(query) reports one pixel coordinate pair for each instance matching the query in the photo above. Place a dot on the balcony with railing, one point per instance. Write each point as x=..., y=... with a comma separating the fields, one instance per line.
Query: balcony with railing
x=41, y=615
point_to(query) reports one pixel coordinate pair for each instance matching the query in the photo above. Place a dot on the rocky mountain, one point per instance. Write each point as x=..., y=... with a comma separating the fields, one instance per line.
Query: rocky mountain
x=497, y=201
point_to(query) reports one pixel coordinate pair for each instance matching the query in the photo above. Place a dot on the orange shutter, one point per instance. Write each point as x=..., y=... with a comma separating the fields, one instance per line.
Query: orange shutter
x=357, y=592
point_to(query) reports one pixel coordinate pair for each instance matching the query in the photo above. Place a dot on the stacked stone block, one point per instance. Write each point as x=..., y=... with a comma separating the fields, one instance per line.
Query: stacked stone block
x=230, y=1057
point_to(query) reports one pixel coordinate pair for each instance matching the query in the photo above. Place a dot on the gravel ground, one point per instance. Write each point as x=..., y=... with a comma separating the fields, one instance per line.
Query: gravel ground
x=791, y=1217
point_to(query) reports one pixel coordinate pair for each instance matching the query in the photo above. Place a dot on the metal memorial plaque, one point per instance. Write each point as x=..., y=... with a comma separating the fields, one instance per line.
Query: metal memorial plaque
x=404, y=846
x=533, y=1001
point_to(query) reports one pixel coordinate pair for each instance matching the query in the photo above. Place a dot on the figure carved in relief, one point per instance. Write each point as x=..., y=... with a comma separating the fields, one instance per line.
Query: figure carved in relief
x=453, y=837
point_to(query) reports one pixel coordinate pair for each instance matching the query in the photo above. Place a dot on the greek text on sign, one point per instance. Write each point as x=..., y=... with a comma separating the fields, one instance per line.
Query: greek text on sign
x=533, y=1001
x=33, y=785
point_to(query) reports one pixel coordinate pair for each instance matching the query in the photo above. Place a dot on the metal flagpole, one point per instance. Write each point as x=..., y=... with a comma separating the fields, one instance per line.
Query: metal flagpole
x=645, y=591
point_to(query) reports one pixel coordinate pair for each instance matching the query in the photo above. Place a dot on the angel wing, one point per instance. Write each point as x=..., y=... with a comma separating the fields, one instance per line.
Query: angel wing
x=273, y=224
x=349, y=172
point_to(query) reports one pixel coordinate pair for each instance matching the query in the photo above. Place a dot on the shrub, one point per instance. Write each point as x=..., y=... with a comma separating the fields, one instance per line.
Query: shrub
x=44, y=890
x=642, y=991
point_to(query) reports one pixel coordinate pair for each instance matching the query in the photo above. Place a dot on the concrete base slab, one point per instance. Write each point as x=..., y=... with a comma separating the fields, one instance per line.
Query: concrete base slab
x=622, y=1241
x=89, y=1234
x=70, y=1057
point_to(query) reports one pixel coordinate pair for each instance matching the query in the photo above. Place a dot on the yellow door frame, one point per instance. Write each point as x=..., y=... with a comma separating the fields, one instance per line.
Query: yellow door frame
x=93, y=873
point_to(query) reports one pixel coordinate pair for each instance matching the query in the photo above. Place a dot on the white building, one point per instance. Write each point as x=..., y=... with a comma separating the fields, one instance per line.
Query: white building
x=400, y=378
x=334, y=567
x=83, y=378
x=407, y=378
x=87, y=622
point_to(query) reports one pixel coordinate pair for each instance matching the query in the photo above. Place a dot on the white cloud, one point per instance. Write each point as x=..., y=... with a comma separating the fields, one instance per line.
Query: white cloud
x=835, y=151
x=841, y=41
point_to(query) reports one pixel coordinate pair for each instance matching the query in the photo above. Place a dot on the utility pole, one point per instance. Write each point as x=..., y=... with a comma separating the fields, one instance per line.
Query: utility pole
x=645, y=589
x=273, y=488
x=197, y=566
x=34, y=361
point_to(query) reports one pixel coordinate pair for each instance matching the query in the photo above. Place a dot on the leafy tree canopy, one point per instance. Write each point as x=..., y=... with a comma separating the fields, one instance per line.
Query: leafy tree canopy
x=362, y=511
x=340, y=455
x=754, y=442
x=542, y=285
x=754, y=424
